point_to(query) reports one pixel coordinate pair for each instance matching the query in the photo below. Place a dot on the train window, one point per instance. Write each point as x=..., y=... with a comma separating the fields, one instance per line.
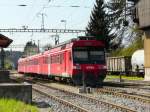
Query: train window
x=81, y=55
x=46, y=60
x=97, y=56
x=52, y=59
x=61, y=58
x=56, y=59
x=30, y=63
x=35, y=62
x=89, y=54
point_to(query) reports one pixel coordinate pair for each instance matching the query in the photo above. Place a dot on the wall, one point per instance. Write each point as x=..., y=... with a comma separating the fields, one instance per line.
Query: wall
x=22, y=92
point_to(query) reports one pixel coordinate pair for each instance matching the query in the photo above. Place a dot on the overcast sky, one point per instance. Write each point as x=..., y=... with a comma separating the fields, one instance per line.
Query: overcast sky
x=15, y=16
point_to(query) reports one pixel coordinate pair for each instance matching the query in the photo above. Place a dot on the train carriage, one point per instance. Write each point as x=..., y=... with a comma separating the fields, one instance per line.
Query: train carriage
x=70, y=60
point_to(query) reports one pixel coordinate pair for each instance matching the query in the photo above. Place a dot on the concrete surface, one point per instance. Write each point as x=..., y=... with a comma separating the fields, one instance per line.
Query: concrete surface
x=22, y=92
x=4, y=76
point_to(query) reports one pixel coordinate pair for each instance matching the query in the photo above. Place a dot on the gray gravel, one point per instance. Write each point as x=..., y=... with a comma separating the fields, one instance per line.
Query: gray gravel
x=132, y=104
x=138, y=90
x=82, y=102
x=45, y=104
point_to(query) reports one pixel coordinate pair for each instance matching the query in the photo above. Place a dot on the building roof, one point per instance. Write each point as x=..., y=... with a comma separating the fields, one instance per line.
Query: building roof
x=5, y=41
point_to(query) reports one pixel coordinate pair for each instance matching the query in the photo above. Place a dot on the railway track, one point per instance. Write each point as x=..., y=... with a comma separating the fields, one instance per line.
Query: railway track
x=102, y=98
x=82, y=101
x=61, y=101
x=121, y=93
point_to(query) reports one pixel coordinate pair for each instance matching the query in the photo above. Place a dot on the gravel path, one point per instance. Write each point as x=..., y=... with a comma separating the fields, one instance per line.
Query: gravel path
x=136, y=90
x=92, y=106
x=132, y=104
x=46, y=104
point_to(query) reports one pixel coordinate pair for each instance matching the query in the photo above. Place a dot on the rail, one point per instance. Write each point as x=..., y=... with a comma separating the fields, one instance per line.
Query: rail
x=124, y=95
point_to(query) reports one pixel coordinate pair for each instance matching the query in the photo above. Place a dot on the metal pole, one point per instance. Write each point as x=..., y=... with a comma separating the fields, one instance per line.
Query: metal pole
x=42, y=22
x=56, y=39
x=121, y=69
x=2, y=58
x=120, y=79
x=65, y=24
x=38, y=46
x=83, y=82
x=42, y=26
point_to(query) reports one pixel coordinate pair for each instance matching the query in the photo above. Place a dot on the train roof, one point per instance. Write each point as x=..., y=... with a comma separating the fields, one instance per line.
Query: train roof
x=32, y=56
x=61, y=46
x=75, y=39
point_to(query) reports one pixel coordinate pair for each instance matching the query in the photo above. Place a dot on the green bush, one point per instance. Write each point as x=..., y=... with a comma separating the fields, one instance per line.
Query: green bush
x=10, y=105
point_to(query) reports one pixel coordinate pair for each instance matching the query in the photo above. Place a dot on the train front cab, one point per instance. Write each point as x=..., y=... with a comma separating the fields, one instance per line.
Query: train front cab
x=88, y=63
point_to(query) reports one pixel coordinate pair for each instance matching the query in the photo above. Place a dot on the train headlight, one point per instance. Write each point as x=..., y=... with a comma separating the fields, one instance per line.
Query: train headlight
x=77, y=67
x=104, y=67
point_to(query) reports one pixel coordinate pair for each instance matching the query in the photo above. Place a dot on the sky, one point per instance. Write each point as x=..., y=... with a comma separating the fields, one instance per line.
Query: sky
x=15, y=16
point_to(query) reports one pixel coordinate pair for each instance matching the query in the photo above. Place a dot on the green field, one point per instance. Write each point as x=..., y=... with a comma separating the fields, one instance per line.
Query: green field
x=112, y=77
x=15, y=106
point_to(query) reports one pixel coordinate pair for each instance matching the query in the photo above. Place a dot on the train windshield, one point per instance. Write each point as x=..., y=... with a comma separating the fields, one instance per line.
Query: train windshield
x=89, y=55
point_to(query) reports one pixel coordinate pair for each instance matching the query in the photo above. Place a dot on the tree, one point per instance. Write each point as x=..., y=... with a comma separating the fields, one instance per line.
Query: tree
x=121, y=14
x=99, y=24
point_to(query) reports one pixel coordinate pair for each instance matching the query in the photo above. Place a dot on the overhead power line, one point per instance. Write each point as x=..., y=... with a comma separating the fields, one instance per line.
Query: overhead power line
x=44, y=30
x=71, y=6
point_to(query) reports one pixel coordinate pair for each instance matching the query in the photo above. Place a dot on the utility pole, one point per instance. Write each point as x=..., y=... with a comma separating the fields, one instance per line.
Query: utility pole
x=43, y=20
x=38, y=46
x=56, y=38
x=65, y=22
x=2, y=58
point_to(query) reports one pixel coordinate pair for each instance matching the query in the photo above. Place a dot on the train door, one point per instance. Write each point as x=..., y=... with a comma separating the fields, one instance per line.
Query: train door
x=63, y=63
x=49, y=64
x=68, y=62
x=38, y=66
x=41, y=65
x=65, y=57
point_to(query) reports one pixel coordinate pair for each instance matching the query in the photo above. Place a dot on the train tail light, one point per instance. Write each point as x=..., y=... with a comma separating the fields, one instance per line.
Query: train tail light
x=77, y=67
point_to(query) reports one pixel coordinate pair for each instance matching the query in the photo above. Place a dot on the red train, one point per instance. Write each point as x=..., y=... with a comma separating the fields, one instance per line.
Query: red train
x=69, y=61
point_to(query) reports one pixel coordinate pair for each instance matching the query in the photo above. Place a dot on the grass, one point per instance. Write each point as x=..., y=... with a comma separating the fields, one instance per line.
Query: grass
x=10, y=105
x=111, y=77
